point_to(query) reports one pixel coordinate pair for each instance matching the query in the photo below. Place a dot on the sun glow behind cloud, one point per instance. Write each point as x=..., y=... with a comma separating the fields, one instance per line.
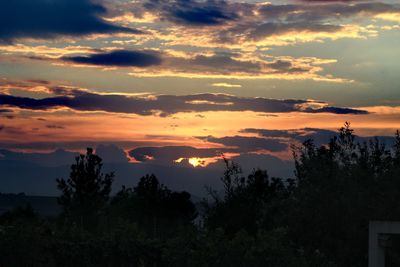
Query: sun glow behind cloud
x=196, y=162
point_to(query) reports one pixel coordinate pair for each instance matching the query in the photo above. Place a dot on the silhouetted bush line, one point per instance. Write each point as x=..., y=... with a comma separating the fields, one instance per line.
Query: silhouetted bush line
x=319, y=218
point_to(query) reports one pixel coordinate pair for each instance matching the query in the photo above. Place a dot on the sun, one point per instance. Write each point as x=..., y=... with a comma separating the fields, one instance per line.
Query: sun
x=195, y=162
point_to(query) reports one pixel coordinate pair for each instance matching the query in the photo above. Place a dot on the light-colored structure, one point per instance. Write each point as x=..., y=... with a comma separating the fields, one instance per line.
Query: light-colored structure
x=379, y=239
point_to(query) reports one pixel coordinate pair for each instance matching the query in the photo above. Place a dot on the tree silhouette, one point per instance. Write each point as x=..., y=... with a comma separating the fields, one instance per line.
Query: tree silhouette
x=245, y=202
x=342, y=186
x=320, y=218
x=86, y=191
x=154, y=207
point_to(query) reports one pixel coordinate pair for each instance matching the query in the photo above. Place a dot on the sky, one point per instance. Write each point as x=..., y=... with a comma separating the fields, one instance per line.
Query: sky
x=181, y=82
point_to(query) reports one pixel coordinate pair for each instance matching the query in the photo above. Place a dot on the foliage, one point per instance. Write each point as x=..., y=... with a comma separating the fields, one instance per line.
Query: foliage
x=341, y=187
x=154, y=207
x=245, y=200
x=86, y=191
x=318, y=219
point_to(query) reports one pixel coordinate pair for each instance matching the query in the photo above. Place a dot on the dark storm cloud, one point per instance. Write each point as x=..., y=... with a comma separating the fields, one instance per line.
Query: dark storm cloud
x=120, y=58
x=193, y=13
x=165, y=105
x=248, y=144
x=49, y=19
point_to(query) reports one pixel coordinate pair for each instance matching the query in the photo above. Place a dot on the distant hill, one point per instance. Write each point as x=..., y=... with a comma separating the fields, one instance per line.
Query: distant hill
x=25, y=172
x=44, y=205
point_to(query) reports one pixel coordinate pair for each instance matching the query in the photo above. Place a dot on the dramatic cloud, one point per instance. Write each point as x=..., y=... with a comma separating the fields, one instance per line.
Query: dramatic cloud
x=233, y=64
x=120, y=58
x=49, y=19
x=207, y=23
x=322, y=20
x=260, y=31
x=154, y=68
x=165, y=105
x=233, y=24
x=192, y=12
x=147, y=63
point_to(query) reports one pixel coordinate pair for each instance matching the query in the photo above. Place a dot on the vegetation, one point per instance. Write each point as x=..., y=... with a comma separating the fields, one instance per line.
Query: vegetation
x=319, y=218
x=86, y=192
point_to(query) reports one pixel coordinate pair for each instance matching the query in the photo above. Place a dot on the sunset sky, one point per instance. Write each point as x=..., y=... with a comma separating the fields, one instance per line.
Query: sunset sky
x=183, y=81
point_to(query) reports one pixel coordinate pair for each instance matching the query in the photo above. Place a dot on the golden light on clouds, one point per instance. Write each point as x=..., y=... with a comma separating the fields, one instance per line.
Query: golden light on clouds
x=389, y=16
x=229, y=85
x=46, y=51
x=180, y=129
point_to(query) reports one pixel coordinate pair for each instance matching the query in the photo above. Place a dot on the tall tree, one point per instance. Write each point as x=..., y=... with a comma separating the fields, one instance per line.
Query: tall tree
x=86, y=191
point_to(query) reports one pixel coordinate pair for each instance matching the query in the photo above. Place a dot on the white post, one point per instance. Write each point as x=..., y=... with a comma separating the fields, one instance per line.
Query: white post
x=378, y=238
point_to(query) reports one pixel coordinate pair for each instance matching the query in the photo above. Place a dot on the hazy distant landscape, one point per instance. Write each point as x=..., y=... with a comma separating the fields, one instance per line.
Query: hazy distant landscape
x=35, y=173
